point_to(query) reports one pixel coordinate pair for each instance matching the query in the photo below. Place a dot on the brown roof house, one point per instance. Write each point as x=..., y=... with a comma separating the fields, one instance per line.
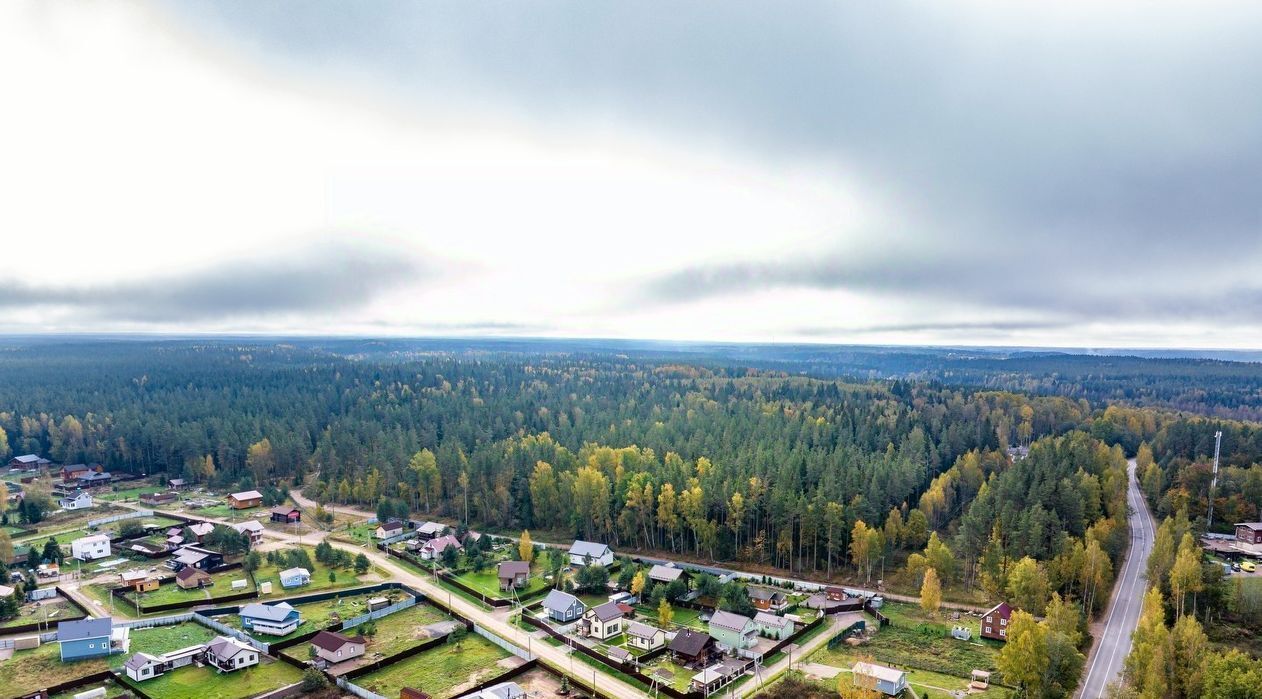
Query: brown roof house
x=513, y=574
x=245, y=499
x=191, y=578
x=333, y=647
x=691, y=648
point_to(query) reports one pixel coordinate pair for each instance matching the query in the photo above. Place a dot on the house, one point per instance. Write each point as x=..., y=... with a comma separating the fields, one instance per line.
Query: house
x=691, y=648
x=245, y=499
x=773, y=626
x=90, y=548
x=142, y=666
x=148, y=548
x=513, y=574
x=386, y=530
x=201, y=529
x=584, y=553
x=190, y=578
x=562, y=606
x=294, y=577
x=883, y=679
x=69, y=472
x=252, y=529
x=286, y=515
x=165, y=497
x=196, y=557
x=995, y=622
x=274, y=619
x=503, y=690
x=228, y=654
x=140, y=581
x=430, y=530
x=92, y=479
x=768, y=599
x=603, y=621
x=81, y=500
x=667, y=574
x=1249, y=532
x=174, y=542
x=711, y=679
x=176, y=483
x=434, y=548
x=28, y=462
x=334, y=647
x=732, y=631
x=645, y=637
x=91, y=638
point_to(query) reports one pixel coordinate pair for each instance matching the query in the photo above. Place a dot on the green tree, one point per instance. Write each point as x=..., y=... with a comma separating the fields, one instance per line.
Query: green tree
x=361, y=564
x=1024, y=658
x=1027, y=586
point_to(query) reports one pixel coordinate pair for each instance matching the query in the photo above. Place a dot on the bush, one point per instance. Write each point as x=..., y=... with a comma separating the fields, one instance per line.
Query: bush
x=313, y=679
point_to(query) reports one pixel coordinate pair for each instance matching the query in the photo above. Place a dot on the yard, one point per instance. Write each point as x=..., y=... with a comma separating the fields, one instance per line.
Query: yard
x=442, y=672
x=71, y=520
x=315, y=615
x=170, y=592
x=35, y=669
x=680, y=676
x=133, y=493
x=395, y=633
x=193, y=682
x=52, y=610
x=345, y=577
x=163, y=639
x=488, y=583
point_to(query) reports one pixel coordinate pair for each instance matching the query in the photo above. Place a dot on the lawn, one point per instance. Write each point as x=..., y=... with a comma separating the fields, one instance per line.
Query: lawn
x=315, y=615
x=131, y=493
x=163, y=639
x=193, y=682
x=442, y=672
x=72, y=520
x=681, y=676
x=319, y=577
x=113, y=690
x=685, y=618
x=395, y=633
x=53, y=610
x=35, y=669
x=359, y=534
x=169, y=593
x=488, y=583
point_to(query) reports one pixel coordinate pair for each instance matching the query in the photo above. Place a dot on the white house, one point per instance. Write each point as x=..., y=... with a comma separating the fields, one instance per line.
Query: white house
x=645, y=637
x=386, y=530
x=90, y=548
x=603, y=621
x=583, y=553
x=143, y=666
x=81, y=500
x=228, y=654
x=252, y=529
x=434, y=548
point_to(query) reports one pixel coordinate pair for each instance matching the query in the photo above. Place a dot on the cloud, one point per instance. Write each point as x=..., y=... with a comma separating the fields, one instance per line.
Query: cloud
x=969, y=327
x=316, y=279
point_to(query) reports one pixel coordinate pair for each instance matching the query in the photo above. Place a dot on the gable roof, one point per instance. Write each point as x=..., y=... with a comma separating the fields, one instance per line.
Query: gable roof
x=432, y=528
x=1003, y=608
x=769, y=619
x=225, y=647
x=139, y=660
x=29, y=459
x=247, y=495
x=293, y=572
x=84, y=628
x=442, y=543
x=271, y=612
x=641, y=630
x=249, y=525
x=332, y=640
x=93, y=539
x=391, y=526
x=881, y=672
x=689, y=642
x=559, y=601
x=511, y=569
x=729, y=621
x=588, y=549
x=93, y=476
x=665, y=573
x=75, y=468
x=201, y=528
x=606, y=612
x=1255, y=526
x=764, y=593
x=190, y=572
x=284, y=510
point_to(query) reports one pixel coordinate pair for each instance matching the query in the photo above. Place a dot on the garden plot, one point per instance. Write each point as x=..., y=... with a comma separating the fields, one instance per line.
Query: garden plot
x=389, y=635
x=443, y=672
x=192, y=682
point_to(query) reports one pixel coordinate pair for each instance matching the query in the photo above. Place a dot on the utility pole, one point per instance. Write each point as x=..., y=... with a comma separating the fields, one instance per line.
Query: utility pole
x=1213, y=483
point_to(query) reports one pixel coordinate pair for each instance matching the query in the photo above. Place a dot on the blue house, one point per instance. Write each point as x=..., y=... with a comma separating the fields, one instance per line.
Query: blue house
x=275, y=619
x=295, y=577
x=90, y=638
x=563, y=607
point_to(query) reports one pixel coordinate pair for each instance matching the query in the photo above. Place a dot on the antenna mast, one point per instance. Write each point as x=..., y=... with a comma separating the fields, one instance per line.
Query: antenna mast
x=1213, y=482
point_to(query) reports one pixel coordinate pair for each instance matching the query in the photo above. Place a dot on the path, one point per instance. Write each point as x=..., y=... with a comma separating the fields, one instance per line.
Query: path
x=770, y=672
x=309, y=504
x=1113, y=638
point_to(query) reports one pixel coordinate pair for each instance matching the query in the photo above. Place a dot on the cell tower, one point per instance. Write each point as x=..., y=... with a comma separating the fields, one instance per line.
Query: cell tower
x=1213, y=481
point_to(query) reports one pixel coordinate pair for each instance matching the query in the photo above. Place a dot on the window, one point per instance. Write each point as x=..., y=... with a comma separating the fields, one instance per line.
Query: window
x=988, y=630
x=1003, y=622
x=1003, y=632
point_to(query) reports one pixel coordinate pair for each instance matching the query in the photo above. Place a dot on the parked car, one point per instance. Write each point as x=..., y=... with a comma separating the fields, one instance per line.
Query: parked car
x=1248, y=566
x=1235, y=565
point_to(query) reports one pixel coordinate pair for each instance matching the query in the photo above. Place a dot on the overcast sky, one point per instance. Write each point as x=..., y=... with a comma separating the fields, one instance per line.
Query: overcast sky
x=1071, y=174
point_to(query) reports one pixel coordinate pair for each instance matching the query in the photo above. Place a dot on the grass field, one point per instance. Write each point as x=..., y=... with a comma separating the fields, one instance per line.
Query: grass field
x=315, y=616
x=112, y=690
x=441, y=672
x=53, y=610
x=319, y=576
x=31, y=670
x=205, y=683
x=395, y=633
x=163, y=639
x=170, y=592
x=131, y=493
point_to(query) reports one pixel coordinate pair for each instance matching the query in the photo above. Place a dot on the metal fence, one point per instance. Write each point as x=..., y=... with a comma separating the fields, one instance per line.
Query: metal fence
x=397, y=606
x=357, y=690
x=229, y=631
x=510, y=647
x=116, y=518
x=156, y=621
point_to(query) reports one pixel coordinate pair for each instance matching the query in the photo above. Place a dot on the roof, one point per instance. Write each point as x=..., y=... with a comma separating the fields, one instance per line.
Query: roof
x=93, y=476
x=247, y=495
x=292, y=572
x=666, y=573
x=225, y=647
x=432, y=528
x=248, y=526
x=689, y=642
x=885, y=674
x=588, y=548
x=619, y=654
x=134, y=575
x=640, y=630
x=332, y=640
x=74, y=468
x=511, y=569
x=28, y=459
x=176, y=481
x=190, y=572
x=270, y=612
x=92, y=539
x=503, y=690
x=283, y=510
x=1256, y=526
x=191, y=554
x=606, y=612
x=201, y=528
x=769, y=619
x=139, y=660
x=1002, y=608
x=559, y=601
x=730, y=621
x=765, y=593
x=84, y=628
x=713, y=673
x=442, y=543
x=389, y=526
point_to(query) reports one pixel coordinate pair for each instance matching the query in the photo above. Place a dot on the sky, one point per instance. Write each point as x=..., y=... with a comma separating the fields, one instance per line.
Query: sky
x=1073, y=174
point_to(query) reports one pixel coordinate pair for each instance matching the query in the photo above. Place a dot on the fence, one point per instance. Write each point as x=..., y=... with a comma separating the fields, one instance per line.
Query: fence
x=881, y=619
x=384, y=611
x=510, y=647
x=356, y=689
x=119, y=517
x=46, y=593
x=229, y=631
x=158, y=621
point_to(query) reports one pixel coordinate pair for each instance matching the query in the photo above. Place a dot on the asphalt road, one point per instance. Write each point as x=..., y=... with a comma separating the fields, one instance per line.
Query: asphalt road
x=1113, y=642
